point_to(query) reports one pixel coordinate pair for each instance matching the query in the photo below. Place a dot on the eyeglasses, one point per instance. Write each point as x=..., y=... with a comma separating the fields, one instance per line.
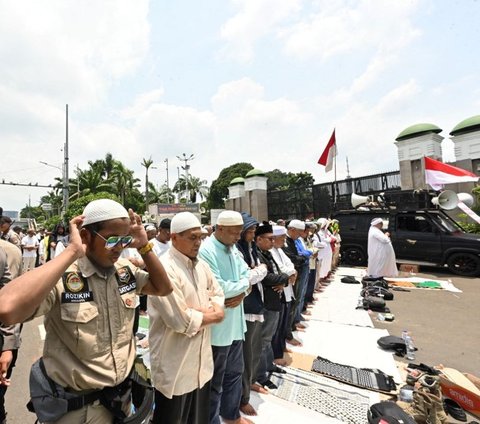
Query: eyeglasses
x=114, y=241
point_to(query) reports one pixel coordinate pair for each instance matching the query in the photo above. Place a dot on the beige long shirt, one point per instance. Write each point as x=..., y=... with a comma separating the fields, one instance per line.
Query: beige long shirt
x=89, y=340
x=180, y=349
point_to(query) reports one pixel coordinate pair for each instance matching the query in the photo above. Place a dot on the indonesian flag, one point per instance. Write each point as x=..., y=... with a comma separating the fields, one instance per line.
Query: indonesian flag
x=437, y=174
x=329, y=153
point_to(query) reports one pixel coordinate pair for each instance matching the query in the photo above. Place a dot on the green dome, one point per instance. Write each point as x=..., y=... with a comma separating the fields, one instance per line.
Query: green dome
x=416, y=130
x=467, y=125
x=255, y=172
x=237, y=180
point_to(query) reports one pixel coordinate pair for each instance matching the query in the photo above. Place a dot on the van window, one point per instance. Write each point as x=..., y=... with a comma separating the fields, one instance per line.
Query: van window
x=416, y=223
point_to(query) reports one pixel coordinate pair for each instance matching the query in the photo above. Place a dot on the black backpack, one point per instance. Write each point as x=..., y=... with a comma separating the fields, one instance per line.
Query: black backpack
x=397, y=344
x=348, y=279
x=389, y=412
x=377, y=291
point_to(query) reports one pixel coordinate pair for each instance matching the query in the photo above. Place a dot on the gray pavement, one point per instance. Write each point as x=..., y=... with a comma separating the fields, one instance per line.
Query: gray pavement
x=444, y=325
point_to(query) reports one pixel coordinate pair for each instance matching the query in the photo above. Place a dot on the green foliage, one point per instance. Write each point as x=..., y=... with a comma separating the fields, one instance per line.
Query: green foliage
x=219, y=187
x=195, y=186
x=465, y=221
x=35, y=212
x=76, y=207
x=278, y=180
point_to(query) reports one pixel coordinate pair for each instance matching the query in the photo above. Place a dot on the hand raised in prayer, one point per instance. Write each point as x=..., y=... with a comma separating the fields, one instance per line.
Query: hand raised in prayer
x=75, y=242
x=233, y=302
x=137, y=230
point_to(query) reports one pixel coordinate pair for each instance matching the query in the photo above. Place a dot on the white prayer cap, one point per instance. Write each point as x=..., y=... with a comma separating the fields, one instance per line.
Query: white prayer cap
x=297, y=224
x=150, y=228
x=279, y=230
x=376, y=221
x=103, y=210
x=204, y=230
x=229, y=218
x=184, y=221
x=322, y=222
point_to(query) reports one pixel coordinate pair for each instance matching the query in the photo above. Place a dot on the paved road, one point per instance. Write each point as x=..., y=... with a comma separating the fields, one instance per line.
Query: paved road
x=445, y=326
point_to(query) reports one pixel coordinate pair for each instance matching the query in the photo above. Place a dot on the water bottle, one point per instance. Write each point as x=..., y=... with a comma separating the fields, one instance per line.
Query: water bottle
x=360, y=302
x=410, y=349
x=404, y=334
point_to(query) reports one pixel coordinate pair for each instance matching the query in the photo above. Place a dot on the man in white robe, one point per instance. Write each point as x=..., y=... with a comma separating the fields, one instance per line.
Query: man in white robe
x=381, y=256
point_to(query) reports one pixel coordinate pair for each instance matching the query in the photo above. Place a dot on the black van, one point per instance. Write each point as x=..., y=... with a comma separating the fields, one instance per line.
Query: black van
x=423, y=237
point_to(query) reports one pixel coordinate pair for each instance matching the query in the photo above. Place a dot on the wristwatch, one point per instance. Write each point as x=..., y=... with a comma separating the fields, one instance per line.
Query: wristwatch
x=145, y=249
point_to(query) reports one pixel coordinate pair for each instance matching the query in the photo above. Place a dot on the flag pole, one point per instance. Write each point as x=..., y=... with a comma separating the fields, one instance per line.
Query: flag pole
x=335, y=176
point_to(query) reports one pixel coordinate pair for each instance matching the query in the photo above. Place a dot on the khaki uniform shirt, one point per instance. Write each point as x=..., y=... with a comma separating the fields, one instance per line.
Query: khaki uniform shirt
x=180, y=349
x=89, y=317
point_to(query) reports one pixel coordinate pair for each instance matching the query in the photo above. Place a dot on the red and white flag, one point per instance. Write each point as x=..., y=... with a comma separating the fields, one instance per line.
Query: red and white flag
x=437, y=174
x=329, y=153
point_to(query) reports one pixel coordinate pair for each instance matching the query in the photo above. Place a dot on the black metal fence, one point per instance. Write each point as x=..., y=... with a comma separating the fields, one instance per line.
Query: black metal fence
x=323, y=199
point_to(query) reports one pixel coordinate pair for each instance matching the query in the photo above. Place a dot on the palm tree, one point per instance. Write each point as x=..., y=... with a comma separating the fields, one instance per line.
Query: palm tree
x=195, y=186
x=147, y=163
x=161, y=195
x=123, y=181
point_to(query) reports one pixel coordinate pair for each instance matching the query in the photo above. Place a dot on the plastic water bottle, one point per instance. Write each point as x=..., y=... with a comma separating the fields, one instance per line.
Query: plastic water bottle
x=410, y=348
x=404, y=334
x=360, y=302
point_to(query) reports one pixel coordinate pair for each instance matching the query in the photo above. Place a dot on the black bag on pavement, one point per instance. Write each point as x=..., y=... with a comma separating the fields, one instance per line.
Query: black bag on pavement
x=389, y=412
x=348, y=279
x=374, y=303
x=397, y=344
x=377, y=291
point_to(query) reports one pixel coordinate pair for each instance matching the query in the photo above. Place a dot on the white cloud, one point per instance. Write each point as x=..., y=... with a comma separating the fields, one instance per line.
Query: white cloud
x=255, y=19
x=341, y=27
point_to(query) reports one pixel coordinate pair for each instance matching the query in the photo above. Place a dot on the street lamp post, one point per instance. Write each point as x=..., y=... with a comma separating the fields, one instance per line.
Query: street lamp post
x=64, y=184
x=168, y=184
x=186, y=168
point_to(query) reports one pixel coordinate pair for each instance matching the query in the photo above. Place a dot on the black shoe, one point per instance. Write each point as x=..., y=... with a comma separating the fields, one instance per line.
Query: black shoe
x=269, y=385
x=278, y=370
x=453, y=409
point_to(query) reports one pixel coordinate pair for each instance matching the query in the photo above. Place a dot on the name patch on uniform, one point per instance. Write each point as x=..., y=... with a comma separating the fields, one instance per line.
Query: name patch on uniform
x=77, y=297
x=126, y=280
x=76, y=288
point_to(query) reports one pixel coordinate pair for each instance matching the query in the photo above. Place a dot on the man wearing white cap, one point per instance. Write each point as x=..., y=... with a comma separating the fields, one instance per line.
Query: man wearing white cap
x=381, y=256
x=231, y=271
x=179, y=337
x=295, y=229
x=87, y=295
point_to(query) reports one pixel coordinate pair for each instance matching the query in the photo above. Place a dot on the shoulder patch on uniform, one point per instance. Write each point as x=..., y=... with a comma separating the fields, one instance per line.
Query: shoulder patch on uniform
x=126, y=280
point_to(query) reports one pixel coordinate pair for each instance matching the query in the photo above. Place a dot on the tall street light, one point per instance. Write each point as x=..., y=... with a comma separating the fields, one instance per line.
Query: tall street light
x=64, y=185
x=186, y=168
x=168, y=184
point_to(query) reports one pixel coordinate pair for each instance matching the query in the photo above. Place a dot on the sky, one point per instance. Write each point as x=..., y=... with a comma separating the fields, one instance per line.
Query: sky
x=258, y=81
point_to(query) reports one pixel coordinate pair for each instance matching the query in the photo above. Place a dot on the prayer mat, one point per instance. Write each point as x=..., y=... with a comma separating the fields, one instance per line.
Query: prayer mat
x=313, y=393
x=371, y=379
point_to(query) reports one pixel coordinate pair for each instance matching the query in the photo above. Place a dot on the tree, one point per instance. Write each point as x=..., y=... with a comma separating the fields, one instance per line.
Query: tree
x=219, y=187
x=35, y=212
x=77, y=206
x=195, y=186
x=163, y=195
x=147, y=163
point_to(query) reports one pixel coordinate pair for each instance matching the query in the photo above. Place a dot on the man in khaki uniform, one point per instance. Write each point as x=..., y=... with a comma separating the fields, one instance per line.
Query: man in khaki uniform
x=10, y=267
x=87, y=295
x=179, y=338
